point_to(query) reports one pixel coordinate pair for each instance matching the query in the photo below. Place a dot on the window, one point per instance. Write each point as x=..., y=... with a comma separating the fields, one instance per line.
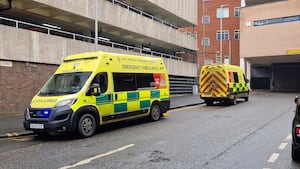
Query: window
x=65, y=83
x=245, y=79
x=223, y=12
x=224, y=35
x=206, y=19
x=208, y=62
x=124, y=82
x=237, y=11
x=218, y=59
x=206, y=42
x=144, y=80
x=237, y=34
x=101, y=79
x=226, y=59
x=133, y=81
x=236, y=77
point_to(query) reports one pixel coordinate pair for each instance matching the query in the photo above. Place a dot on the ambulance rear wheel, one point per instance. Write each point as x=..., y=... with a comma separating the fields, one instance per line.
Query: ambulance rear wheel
x=155, y=113
x=86, y=125
x=209, y=102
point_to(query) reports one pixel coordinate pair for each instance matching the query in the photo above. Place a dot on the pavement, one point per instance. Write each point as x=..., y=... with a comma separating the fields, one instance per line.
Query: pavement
x=12, y=126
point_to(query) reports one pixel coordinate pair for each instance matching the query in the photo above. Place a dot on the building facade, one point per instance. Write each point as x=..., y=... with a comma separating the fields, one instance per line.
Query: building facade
x=270, y=46
x=218, y=31
x=36, y=35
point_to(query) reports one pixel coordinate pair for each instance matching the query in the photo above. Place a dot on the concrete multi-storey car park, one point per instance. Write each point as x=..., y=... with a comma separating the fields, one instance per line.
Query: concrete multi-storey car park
x=269, y=44
x=37, y=34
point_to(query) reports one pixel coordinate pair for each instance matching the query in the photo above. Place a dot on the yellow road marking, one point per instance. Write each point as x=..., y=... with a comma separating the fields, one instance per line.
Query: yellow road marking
x=166, y=114
x=12, y=134
x=23, y=139
x=184, y=108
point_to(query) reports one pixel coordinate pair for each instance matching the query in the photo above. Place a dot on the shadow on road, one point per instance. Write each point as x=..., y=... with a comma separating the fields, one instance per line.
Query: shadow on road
x=102, y=129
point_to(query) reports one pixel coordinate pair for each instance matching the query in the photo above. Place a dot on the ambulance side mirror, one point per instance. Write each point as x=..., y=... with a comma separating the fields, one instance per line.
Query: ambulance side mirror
x=296, y=99
x=246, y=80
x=94, y=90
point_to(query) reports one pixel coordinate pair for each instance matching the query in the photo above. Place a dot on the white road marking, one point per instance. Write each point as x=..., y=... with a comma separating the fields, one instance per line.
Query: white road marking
x=289, y=137
x=282, y=146
x=273, y=157
x=88, y=160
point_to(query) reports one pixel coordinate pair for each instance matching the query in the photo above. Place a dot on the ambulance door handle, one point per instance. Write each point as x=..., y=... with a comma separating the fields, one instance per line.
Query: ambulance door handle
x=109, y=97
x=116, y=96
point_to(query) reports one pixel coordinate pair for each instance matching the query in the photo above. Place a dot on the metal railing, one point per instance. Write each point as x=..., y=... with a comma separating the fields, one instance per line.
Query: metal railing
x=51, y=31
x=138, y=11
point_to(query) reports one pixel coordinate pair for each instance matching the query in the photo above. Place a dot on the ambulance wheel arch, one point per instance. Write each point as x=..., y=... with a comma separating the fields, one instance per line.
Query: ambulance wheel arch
x=155, y=112
x=88, y=116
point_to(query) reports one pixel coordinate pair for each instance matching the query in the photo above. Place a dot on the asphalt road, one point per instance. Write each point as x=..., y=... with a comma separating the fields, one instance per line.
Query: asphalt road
x=249, y=135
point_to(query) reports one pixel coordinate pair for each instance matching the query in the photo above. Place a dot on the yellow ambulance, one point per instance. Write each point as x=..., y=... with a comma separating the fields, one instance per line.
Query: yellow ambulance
x=223, y=83
x=91, y=89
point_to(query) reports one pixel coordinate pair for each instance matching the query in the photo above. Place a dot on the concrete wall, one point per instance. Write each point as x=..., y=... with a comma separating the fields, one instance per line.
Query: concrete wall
x=28, y=46
x=269, y=40
x=120, y=17
x=186, y=9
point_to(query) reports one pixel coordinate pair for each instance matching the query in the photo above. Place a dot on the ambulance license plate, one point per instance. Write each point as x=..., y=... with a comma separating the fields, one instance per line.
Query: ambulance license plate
x=36, y=126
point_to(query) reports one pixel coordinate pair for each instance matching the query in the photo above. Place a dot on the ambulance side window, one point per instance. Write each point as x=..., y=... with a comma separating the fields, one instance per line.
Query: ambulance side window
x=144, y=80
x=124, y=82
x=101, y=79
x=245, y=79
x=236, y=77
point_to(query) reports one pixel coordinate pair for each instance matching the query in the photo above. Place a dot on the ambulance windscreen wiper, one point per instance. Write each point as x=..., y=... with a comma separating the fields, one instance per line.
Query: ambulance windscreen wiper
x=50, y=93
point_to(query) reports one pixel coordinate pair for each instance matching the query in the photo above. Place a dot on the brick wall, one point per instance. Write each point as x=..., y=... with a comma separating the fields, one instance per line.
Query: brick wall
x=230, y=24
x=19, y=83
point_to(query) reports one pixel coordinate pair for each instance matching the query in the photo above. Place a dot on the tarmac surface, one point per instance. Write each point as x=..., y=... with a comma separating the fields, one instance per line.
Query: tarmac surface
x=12, y=126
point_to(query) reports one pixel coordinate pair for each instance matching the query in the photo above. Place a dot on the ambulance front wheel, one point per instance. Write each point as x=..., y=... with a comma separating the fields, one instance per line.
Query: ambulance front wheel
x=41, y=134
x=86, y=125
x=155, y=113
x=233, y=101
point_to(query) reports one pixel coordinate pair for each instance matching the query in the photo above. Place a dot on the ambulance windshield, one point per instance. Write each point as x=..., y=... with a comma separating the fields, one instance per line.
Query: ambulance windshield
x=66, y=83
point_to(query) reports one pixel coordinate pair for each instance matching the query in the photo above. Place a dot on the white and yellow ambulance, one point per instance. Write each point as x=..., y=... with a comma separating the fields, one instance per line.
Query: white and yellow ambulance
x=91, y=89
x=223, y=83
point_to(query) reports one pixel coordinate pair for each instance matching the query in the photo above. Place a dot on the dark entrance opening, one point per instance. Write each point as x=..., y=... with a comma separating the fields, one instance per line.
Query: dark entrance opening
x=260, y=77
x=285, y=77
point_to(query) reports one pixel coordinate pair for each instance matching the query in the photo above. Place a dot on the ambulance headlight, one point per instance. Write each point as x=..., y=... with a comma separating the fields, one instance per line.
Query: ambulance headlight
x=68, y=102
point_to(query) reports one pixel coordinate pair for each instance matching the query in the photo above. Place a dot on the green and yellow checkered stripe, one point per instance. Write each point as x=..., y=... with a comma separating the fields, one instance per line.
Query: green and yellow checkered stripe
x=238, y=87
x=135, y=100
